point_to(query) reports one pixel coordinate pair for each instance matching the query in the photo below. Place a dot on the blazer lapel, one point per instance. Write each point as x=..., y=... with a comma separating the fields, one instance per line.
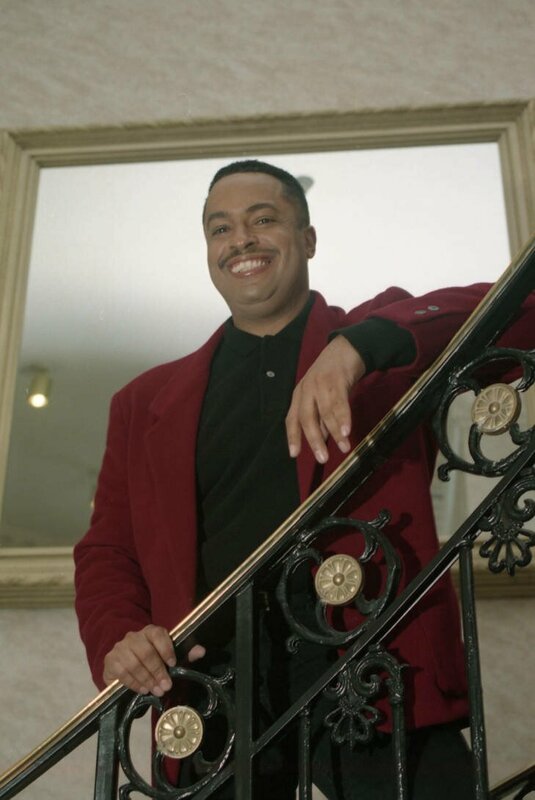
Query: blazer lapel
x=170, y=444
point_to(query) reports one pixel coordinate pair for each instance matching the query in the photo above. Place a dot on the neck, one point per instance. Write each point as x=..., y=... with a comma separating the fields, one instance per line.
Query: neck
x=269, y=325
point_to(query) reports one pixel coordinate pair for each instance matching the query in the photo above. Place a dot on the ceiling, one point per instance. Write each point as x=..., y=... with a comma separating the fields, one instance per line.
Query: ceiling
x=78, y=63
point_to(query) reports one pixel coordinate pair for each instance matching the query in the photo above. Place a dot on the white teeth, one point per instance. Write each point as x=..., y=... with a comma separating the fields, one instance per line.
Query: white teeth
x=249, y=265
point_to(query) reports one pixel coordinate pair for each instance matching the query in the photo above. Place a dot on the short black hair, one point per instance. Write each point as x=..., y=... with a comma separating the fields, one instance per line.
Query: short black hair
x=291, y=186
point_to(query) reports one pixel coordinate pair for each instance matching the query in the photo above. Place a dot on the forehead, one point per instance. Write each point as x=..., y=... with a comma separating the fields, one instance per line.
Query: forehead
x=237, y=192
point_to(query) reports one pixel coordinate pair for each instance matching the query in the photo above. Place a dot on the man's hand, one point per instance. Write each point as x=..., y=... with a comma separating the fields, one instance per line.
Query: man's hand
x=139, y=661
x=320, y=403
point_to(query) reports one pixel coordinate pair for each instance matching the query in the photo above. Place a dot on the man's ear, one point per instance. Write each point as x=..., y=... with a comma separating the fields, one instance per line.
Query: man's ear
x=310, y=241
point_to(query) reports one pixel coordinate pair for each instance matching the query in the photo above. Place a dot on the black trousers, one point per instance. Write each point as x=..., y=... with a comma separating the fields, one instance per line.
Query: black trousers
x=439, y=764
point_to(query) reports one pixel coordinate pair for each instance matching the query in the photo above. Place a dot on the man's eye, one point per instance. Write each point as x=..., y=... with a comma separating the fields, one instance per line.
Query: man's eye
x=264, y=220
x=219, y=230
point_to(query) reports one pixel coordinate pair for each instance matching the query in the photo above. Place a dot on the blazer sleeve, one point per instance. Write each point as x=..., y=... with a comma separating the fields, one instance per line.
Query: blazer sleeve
x=112, y=597
x=434, y=318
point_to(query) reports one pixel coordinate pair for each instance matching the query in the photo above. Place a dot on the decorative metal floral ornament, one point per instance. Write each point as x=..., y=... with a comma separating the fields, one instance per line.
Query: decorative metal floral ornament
x=495, y=411
x=510, y=543
x=496, y=408
x=179, y=732
x=353, y=719
x=339, y=580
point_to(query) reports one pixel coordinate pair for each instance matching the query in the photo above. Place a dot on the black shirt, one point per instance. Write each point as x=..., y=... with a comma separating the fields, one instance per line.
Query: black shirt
x=247, y=482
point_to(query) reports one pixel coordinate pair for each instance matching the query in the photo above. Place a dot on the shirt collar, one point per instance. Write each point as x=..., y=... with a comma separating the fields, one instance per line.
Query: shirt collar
x=244, y=343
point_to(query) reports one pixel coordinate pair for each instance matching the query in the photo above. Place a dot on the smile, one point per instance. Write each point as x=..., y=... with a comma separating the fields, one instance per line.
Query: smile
x=248, y=265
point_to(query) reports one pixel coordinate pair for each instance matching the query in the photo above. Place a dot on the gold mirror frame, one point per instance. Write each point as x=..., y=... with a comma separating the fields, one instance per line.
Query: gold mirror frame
x=43, y=576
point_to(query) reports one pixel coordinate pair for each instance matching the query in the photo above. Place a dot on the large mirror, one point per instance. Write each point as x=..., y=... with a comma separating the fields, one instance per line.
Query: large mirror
x=107, y=277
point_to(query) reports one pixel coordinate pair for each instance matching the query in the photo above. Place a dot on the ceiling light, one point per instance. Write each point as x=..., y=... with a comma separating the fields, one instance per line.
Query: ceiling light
x=39, y=389
x=306, y=182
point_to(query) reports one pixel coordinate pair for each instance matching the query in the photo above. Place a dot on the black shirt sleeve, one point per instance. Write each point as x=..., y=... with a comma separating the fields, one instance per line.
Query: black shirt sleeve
x=381, y=343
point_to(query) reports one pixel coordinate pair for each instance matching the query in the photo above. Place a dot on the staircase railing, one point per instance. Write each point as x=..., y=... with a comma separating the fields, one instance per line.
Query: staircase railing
x=517, y=787
x=112, y=713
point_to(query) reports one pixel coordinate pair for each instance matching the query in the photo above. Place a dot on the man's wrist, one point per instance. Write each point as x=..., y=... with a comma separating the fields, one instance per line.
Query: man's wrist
x=382, y=344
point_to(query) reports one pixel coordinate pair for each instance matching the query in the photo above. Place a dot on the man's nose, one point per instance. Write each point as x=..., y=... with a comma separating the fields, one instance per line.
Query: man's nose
x=243, y=238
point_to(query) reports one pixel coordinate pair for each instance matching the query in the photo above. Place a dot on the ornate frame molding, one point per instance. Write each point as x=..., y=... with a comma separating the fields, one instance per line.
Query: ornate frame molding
x=40, y=576
x=36, y=577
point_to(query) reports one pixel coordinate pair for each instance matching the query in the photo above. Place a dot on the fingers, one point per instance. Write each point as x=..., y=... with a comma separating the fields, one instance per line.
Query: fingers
x=293, y=425
x=140, y=660
x=196, y=652
x=320, y=410
x=320, y=403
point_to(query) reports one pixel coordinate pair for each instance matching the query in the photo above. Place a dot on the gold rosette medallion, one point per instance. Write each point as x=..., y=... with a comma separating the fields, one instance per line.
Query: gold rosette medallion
x=338, y=580
x=179, y=732
x=496, y=408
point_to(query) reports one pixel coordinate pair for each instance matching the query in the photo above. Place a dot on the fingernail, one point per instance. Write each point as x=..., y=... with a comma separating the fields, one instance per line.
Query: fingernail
x=293, y=450
x=143, y=690
x=171, y=662
x=345, y=430
x=157, y=691
x=344, y=446
x=320, y=456
x=165, y=684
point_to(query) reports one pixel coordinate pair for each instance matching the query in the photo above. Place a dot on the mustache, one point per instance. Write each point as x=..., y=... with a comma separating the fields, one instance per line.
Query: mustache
x=251, y=252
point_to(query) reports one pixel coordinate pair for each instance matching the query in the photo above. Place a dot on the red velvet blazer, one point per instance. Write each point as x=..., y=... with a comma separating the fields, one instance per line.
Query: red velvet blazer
x=137, y=563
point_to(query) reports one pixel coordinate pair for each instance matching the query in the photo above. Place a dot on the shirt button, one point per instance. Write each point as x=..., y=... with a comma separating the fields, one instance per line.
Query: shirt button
x=270, y=373
x=433, y=308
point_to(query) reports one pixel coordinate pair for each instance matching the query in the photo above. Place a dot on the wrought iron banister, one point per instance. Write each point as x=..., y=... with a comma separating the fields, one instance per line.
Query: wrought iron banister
x=516, y=787
x=483, y=327
x=407, y=599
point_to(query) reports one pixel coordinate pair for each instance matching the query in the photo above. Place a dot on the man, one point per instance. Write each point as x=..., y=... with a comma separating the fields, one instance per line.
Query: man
x=207, y=455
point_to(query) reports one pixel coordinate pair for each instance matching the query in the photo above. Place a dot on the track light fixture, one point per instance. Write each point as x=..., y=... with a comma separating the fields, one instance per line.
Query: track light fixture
x=39, y=389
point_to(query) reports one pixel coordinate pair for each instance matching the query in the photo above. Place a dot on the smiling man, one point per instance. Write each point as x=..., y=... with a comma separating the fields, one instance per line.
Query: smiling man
x=207, y=455
x=259, y=243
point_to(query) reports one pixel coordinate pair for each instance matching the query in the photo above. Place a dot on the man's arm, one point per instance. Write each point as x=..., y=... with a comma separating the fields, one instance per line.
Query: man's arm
x=112, y=598
x=320, y=404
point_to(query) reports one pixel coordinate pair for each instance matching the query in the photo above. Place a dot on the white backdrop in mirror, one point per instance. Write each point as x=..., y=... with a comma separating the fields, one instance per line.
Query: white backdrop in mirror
x=118, y=283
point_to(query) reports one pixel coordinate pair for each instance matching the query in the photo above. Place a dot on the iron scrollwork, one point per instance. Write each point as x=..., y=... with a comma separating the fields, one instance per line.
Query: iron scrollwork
x=509, y=545
x=353, y=720
x=495, y=411
x=492, y=415
x=370, y=608
x=216, y=698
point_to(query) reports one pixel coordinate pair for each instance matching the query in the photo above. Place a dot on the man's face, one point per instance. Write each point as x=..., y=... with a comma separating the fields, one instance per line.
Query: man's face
x=257, y=251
